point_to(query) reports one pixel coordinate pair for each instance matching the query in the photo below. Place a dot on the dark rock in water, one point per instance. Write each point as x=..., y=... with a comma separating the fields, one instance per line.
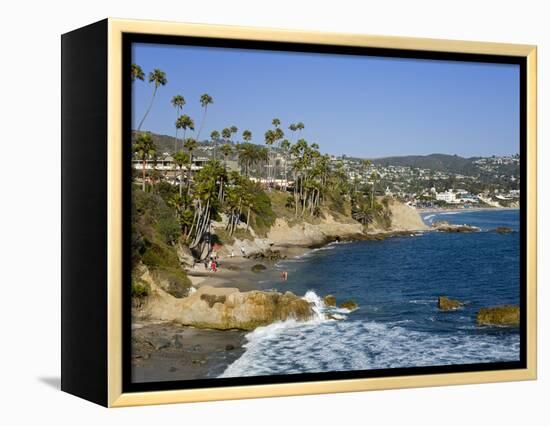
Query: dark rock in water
x=446, y=304
x=444, y=226
x=172, y=369
x=258, y=268
x=349, y=305
x=499, y=315
x=503, y=230
x=229, y=347
x=329, y=300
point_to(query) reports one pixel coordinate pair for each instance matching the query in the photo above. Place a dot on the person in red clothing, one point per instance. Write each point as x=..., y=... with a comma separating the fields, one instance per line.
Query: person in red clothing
x=214, y=266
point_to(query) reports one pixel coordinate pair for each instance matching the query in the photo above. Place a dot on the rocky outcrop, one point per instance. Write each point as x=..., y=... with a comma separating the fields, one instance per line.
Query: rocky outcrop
x=444, y=226
x=271, y=255
x=499, y=315
x=350, y=305
x=307, y=234
x=503, y=230
x=446, y=304
x=224, y=308
x=329, y=300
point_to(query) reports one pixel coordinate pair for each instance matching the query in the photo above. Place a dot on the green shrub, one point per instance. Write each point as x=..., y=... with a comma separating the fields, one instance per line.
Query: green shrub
x=174, y=281
x=140, y=288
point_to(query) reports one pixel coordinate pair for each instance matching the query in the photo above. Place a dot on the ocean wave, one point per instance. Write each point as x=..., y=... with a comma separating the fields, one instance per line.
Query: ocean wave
x=293, y=347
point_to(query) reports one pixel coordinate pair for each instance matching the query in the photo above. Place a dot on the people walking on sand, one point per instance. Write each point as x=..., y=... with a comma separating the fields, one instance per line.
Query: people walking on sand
x=232, y=253
x=242, y=251
x=284, y=275
x=214, y=266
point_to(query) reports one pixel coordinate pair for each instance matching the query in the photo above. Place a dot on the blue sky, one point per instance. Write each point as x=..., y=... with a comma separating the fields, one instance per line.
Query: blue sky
x=361, y=106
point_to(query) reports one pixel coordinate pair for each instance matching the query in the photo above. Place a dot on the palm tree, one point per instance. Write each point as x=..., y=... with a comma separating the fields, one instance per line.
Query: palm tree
x=300, y=126
x=158, y=78
x=226, y=134
x=269, y=137
x=190, y=145
x=185, y=122
x=247, y=135
x=215, y=135
x=206, y=100
x=178, y=102
x=233, y=130
x=137, y=73
x=180, y=160
x=226, y=150
x=276, y=122
x=374, y=178
x=144, y=148
x=285, y=146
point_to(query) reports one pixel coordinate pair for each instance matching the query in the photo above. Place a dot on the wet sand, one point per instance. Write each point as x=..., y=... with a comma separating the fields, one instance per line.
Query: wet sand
x=168, y=352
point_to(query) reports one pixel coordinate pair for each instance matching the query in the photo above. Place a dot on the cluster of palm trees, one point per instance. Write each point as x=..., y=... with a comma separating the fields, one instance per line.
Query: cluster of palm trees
x=213, y=190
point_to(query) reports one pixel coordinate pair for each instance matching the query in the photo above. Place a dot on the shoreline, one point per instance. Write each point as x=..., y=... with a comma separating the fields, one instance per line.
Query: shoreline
x=206, y=353
x=463, y=210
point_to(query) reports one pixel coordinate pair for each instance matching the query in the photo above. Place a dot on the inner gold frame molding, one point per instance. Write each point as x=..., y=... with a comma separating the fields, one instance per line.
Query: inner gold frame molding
x=116, y=28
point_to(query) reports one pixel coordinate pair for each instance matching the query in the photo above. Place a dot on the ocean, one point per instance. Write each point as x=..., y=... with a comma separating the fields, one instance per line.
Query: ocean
x=396, y=283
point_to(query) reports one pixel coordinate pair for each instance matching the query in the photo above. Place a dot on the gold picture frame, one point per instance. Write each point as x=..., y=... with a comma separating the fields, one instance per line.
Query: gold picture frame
x=115, y=29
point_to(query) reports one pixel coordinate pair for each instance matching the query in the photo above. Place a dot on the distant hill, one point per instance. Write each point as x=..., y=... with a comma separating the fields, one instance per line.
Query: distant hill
x=438, y=162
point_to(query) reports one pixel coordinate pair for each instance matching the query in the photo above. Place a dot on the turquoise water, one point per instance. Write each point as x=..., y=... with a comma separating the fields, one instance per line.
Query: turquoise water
x=396, y=283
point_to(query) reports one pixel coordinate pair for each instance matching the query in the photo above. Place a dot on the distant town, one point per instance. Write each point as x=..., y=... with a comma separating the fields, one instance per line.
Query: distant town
x=430, y=181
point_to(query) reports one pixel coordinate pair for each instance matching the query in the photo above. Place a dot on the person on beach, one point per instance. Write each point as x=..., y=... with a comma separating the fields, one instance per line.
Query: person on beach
x=214, y=267
x=284, y=275
x=232, y=253
x=242, y=251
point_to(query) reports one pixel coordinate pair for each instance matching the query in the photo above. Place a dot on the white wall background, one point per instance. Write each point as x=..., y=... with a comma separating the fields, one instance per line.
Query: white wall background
x=30, y=211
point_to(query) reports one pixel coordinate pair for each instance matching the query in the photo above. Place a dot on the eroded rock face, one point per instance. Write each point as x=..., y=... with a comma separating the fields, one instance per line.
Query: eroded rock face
x=227, y=308
x=499, y=315
x=446, y=304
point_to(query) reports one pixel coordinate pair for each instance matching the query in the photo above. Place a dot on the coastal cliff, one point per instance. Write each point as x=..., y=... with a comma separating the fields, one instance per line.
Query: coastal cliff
x=160, y=297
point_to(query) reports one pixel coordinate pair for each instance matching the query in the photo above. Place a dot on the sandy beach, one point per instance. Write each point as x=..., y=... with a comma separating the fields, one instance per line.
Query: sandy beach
x=167, y=351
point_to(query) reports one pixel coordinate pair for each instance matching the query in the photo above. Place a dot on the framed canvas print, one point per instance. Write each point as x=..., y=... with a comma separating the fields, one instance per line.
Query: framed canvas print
x=251, y=212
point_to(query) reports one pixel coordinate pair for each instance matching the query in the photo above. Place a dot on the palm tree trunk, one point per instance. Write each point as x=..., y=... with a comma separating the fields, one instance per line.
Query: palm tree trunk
x=248, y=219
x=202, y=123
x=148, y=109
x=143, y=176
x=181, y=180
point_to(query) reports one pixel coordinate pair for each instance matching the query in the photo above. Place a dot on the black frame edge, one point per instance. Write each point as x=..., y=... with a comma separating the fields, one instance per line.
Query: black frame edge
x=129, y=38
x=84, y=212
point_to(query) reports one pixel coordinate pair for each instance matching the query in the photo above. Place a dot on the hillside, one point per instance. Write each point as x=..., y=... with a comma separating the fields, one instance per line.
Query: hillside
x=437, y=162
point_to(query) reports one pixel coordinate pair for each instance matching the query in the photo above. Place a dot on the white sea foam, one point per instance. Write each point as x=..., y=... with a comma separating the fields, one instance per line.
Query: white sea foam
x=294, y=347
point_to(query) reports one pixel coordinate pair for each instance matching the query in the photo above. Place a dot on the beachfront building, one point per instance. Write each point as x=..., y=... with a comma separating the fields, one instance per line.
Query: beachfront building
x=447, y=196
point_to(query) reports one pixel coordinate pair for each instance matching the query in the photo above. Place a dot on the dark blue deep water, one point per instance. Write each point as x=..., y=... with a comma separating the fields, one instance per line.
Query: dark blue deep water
x=396, y=283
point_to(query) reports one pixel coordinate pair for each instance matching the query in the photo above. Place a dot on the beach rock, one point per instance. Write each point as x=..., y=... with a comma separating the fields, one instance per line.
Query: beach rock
x=499, y=315
x=258, y=268
x=350, y=305
x=158, y=342
x=272, y=255
x=225, y=308
x=446, y=304
x=229, y=347
x=444, y=226
x=178, y=341
x=329, y=300
x=503, y=230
